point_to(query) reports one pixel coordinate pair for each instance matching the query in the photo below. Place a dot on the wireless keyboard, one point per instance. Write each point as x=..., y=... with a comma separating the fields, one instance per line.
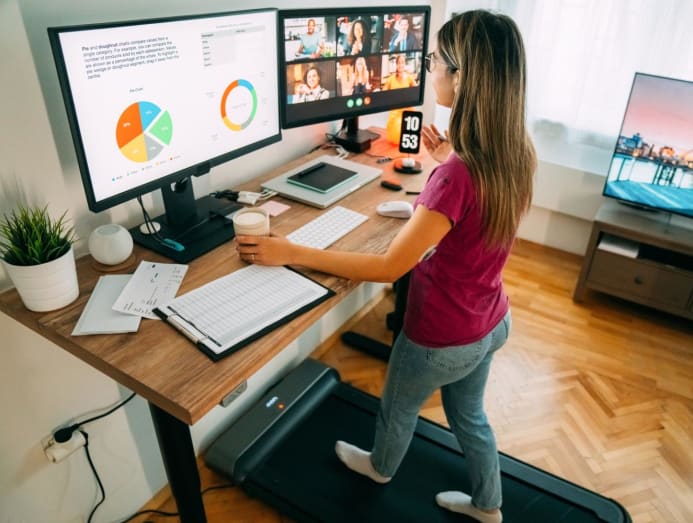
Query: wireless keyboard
x=330, y=226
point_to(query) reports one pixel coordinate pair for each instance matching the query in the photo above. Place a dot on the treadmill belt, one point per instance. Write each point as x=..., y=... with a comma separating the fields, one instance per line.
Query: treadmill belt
x=304, y=478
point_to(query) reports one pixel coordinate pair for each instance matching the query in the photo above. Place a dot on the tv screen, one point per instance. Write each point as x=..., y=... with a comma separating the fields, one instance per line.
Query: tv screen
x=652, y=163
x=342, y=63
x=153, y=102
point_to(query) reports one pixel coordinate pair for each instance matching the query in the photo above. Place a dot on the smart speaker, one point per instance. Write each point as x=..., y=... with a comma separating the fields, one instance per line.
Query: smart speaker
x=110, y=244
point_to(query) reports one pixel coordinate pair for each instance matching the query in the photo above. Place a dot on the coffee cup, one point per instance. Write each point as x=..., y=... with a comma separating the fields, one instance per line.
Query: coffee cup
x=251, y=221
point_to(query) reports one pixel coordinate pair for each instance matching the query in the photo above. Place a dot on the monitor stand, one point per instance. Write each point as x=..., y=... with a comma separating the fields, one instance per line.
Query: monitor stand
x=354, y=139
x=188, y=228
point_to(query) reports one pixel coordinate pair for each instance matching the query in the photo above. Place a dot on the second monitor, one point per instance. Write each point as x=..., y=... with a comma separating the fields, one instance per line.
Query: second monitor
x=343, y=63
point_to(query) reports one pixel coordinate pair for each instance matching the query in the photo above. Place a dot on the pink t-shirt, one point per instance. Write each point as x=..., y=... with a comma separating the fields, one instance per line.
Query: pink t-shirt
x=456, y=295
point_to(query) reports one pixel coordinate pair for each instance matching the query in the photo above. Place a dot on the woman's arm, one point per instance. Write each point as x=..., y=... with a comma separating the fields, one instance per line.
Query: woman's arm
x=423, y=231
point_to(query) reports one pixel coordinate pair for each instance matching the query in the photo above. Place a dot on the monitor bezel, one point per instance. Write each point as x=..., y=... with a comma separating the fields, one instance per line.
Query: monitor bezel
x=639, y=204
x=331, y=11
x=197, y=169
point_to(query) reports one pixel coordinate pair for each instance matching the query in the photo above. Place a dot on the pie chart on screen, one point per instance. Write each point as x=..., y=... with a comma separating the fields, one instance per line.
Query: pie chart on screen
x=143, y=130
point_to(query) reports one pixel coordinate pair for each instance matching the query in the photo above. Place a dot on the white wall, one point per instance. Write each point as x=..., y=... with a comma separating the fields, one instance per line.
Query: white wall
x=43, y=387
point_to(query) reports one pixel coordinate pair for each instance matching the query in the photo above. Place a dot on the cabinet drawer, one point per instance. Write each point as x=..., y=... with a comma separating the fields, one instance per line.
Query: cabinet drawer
x=641, y=279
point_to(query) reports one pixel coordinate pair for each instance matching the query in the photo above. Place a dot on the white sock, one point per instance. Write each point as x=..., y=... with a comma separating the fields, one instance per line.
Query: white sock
x=358, y=460
x=460, y=502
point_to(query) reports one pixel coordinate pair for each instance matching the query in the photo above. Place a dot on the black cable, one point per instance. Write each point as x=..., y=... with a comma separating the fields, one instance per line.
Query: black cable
x=63, y=435
x=218, y=487
x=171, y=514
x=96, y=475
x=151, y=511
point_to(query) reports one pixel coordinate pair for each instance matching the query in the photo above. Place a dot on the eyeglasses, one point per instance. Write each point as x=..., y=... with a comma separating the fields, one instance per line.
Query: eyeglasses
x=430, y=60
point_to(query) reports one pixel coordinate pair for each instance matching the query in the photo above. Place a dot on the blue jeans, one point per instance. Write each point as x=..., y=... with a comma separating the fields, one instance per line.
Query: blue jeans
x=414, y=373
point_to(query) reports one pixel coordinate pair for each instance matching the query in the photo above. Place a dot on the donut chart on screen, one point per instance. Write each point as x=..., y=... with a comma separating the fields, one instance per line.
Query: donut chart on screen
x=143, y=130
x=238, y=105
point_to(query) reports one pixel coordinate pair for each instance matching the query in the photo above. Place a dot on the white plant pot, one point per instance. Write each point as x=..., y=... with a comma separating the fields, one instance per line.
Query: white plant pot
x=48, y=286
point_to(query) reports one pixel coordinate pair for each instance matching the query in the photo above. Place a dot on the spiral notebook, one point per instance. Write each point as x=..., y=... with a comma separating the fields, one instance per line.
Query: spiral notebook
x=228, y=313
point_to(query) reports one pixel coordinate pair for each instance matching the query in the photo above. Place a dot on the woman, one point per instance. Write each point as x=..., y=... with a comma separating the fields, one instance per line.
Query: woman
x=311, y=90
x=401, y=78
x=455, y=245
x=359, y=39
x=361, y=84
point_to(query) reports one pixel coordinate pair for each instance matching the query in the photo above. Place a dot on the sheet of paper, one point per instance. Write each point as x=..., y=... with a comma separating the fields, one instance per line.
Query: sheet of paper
x=151, y=284
x=274, y=208
x=98, y=316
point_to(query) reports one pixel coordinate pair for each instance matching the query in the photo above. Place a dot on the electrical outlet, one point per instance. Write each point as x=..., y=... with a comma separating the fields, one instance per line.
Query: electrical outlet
x=56, y=452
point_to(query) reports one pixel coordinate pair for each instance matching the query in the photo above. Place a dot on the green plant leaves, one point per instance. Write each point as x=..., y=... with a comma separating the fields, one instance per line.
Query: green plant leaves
x=30, y=236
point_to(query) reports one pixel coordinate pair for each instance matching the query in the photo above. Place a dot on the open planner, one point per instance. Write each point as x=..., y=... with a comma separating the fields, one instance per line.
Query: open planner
x=230, y=312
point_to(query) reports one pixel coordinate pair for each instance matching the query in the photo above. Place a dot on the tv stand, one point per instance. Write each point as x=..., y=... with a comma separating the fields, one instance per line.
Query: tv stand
x=641, y=258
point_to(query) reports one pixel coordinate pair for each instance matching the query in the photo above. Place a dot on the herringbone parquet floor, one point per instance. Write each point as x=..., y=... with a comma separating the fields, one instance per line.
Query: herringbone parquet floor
x=600, y=393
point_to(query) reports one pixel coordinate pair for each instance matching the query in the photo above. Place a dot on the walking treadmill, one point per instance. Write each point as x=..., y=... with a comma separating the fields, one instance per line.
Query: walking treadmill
x=282, y=452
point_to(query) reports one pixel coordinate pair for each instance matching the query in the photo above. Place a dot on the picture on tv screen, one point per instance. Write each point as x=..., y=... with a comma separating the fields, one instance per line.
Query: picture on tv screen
x=652, y=164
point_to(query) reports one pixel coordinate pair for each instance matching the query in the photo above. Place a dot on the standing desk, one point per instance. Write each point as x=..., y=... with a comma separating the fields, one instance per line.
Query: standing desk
x=178, y=381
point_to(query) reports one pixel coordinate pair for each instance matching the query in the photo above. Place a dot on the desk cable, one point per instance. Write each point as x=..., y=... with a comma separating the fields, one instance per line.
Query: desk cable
x=65, y=434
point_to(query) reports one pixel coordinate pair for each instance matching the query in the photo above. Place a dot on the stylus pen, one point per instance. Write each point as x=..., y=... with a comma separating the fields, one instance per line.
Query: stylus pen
x=309, y=170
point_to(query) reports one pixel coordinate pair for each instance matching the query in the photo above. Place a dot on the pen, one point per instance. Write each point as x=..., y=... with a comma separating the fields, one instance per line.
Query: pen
x=309, y=170
x=412, y=192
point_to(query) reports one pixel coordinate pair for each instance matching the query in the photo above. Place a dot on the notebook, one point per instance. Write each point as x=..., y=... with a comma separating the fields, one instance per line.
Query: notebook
x=228, y=313
x=364, y=175
x=98, y=316
x=321, y=177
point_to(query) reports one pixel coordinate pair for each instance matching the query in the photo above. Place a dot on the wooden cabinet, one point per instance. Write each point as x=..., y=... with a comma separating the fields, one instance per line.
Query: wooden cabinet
x=641, y=257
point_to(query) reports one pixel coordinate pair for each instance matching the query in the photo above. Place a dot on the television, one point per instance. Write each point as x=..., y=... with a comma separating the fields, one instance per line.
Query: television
x=343, y=63
x=652, y=163
x=151, y=103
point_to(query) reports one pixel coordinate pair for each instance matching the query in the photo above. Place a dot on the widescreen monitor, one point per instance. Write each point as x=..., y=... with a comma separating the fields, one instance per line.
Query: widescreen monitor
x=652, y=163
x=151, y=103
x=343, y=63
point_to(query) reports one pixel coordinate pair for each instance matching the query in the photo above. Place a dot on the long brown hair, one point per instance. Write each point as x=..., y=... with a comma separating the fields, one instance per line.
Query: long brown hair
x=487, y=121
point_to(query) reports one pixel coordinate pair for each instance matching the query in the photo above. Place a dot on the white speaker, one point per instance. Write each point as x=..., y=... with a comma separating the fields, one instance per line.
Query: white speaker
x=110, y=244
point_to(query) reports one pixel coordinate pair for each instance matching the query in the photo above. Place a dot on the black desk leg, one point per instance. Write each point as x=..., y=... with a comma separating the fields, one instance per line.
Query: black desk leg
x=395, y=320
x=178, y=454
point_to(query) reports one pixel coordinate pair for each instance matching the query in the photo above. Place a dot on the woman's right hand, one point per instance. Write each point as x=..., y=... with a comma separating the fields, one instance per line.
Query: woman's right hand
x=264, y=250
x=437, y=146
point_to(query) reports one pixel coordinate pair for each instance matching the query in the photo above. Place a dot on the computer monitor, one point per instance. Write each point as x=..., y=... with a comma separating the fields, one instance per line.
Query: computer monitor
x=151, y=103
x=343, y=63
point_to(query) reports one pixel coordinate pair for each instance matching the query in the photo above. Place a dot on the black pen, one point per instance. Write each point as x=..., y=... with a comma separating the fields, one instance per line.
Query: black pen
x=412, y=192
x=309, y=170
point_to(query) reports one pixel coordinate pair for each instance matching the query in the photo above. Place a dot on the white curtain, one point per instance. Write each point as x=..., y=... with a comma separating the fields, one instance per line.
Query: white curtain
x=582, y=55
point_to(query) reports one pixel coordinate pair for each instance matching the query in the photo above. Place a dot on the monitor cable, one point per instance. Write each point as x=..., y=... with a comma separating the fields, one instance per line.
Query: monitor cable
x=152, y=230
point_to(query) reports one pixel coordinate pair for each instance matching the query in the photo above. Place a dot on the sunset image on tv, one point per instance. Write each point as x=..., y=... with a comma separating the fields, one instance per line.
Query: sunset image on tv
x=652, y=164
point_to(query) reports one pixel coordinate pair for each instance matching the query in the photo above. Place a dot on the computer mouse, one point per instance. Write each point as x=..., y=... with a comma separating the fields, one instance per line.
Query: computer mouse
x=395, y=209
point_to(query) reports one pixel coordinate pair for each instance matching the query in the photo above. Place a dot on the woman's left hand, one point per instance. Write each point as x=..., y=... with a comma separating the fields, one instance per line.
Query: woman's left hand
x=264, y=250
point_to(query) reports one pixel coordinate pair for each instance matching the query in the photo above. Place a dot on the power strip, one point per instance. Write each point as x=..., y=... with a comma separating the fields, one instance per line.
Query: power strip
x=56, y=452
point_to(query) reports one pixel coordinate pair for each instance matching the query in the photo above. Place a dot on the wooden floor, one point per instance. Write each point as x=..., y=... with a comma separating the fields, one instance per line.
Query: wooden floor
x=600, y=393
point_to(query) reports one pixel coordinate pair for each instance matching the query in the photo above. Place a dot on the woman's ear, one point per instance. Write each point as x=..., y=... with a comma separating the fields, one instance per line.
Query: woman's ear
x=456, y=80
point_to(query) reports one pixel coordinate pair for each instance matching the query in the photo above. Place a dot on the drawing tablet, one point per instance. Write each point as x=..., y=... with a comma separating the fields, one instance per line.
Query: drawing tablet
x=321, y=177
x=364, y=174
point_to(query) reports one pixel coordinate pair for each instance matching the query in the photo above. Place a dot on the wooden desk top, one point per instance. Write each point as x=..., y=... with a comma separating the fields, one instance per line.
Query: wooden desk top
x=164, y=367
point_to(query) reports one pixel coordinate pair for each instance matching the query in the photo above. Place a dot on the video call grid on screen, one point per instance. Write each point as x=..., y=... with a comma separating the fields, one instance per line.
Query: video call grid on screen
x=330, y=71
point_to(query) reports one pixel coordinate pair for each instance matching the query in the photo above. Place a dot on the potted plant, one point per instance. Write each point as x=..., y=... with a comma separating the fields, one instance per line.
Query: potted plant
x=38, y=257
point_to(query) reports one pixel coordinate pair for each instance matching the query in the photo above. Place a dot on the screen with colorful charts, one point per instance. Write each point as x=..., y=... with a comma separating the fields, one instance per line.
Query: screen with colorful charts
x=151, y=102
